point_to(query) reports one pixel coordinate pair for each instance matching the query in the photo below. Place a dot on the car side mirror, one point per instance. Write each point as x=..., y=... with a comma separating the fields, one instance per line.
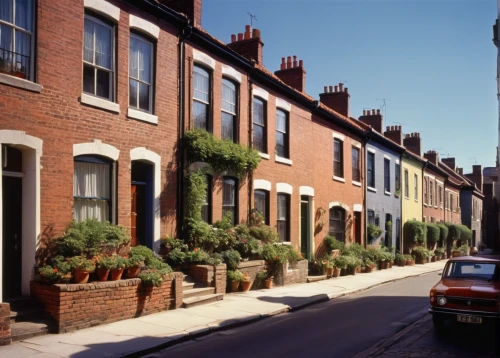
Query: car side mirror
x=440, y=273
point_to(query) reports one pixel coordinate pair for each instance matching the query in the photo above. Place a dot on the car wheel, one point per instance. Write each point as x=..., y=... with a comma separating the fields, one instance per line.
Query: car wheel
x=438, y=324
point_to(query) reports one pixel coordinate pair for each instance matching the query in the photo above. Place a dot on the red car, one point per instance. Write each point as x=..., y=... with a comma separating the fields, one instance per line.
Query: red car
x=468, y=292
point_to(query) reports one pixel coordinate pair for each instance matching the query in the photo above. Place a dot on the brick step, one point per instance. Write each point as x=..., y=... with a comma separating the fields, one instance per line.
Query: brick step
x=187, y=279
x=316, y=278
x=26, y=315
x=203, y=291
x=25, y=330
x=187, y=286
x=23, y=303
x=201, y=300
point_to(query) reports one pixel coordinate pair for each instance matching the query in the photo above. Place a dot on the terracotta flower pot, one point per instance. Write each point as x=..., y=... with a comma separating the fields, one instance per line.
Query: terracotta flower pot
x=358, y=269
x=390, y=263
x=134, y=271
x=246, y=285
x=329, y=271
x=116, y=274
x=80, y=276
x=102, y=274
x=410, y=262
x=433, y=259
x=234, y=286
x=269, y=283
x=401, y=263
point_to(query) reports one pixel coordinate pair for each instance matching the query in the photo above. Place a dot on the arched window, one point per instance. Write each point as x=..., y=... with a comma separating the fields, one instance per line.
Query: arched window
x=261, y=203
x=337, y=223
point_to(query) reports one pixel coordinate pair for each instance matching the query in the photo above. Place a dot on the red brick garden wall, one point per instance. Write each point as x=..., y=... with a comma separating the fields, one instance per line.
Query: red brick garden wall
x=81, y=306
x=5, y=324
x=210, y=276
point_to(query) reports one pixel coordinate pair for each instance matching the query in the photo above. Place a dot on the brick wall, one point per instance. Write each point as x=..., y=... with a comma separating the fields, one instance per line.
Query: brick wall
x=81, y=306
x=252, y=268
x=5, y=324
x=298, y=273
x=210, y=276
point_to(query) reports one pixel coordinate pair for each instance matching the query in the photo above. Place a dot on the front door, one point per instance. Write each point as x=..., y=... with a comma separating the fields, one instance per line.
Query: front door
x=12, y=191
x=305, y=246
x=141, y=213
x=357, y=227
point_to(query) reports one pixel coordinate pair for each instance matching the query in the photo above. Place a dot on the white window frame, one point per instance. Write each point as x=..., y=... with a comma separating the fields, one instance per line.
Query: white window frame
x=235, y=114
x=152, y=74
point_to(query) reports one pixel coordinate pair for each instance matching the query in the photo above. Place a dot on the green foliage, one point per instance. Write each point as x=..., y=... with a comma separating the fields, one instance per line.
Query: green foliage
x=372, y=254
x=222, y=155
x=50, y=274
x=388, y=231
x=400, y=257
x=416, y=230
x=89, y=238
x=433, y=233
x=234, y=275
x=409, y=257
x=176, y=257
x=439, y=251
x=195, y=197
x=421, y=252
x=151, y=278
x=136, y=260
x=118, y=262
x=341, y=262
x=352, y=262
x=261, y=276
x=248, y=247
x=157, y=264
x=373, y=231
x=443, y=234
x=464, y=249
x=465, y=234
x=331, y=243
x=144, y=252
x=105, y=262
x=173, y=243
x=61, y=264
x=81, y=263
x=453, y=233
x=264, y=233
x=231, y=258
x=355, y=250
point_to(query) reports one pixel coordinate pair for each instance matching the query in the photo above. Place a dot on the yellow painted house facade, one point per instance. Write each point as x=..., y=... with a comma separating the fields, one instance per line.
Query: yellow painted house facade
x=411, y=188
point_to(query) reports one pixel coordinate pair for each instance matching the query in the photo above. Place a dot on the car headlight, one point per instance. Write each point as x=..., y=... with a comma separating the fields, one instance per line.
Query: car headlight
x=441, y=301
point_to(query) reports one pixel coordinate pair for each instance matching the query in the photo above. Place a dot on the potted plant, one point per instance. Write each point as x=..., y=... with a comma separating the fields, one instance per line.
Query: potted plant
x=329, y=267
x=49, y=274
x=400, y=260
x=341, y=264
x=133, y=265
x=103, y=266
x=352, y=265
x=235, y=277
x=410, y=260
x=118, y=265
x=421, y=254
x=246, y=283
x=151, y=278
x=82, y=267
x=369, y=265
x=439, y=253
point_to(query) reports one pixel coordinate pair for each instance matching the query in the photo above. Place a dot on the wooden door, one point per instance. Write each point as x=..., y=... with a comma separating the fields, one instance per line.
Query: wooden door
x=133, y=216
x=12, y=190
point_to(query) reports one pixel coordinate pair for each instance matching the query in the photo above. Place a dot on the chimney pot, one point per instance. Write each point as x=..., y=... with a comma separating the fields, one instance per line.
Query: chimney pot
x=233, y=38
x=283, y=64
x=341, y=86
x=364, y=112
x=301, y=63
x=378, y=111
x=346, y=90
x=289, y=62
x=373, y=112
x=248, y=34
x=294, y=61
x=256, y=33
x=336, y=88
x=387, y=128
x=240, y=37
x=325, y=89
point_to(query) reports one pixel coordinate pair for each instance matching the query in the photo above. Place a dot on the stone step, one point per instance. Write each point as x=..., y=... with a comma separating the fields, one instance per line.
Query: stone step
x=203, y=291
x=316, y=278
x=25, y=315
x=25, y=330
x=201, y=300
x=187, y=286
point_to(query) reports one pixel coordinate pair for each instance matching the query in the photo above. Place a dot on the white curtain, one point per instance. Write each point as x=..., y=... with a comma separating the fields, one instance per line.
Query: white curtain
x=140, y=59
x=88, y=41
x=228, y=97
x=91, y=189
x=201, y=84
x=102, y=46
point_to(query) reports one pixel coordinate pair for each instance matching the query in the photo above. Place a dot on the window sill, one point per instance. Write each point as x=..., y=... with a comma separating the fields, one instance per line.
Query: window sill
x=416, y=200
x=264, y=155
x=20, y=83
x=100, y=103
x=142, y=116
x=387, y=192
x=339, y=179
x=357, y=183
x=371, y=189
x=435, y=207
x=283, y=160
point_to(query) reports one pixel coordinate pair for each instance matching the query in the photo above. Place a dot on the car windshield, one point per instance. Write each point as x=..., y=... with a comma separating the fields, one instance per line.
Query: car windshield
x=471, y=270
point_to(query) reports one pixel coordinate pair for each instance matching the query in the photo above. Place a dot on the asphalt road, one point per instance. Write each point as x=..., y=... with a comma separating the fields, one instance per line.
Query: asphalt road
x=338, y=328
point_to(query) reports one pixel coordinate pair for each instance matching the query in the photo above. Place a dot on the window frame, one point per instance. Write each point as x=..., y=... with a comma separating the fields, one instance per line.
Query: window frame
x=397, y=178
x=415, y=179
x=341, y=158
x=387, y=175
x=263, y=126
x=431, y=193
x=209, y=105
x=407, y=184
x=370, y=172
x=151, y=85
x=32, y=33
x=287, y=216
x=236, y=198
x=356, y=170
x=234, y=115
x=285, y=134
x=113, y=87
x=208, y=200
x=98, y=159
x=426, y=190
x=266, y=203
x=370, y=214
x=332, y=220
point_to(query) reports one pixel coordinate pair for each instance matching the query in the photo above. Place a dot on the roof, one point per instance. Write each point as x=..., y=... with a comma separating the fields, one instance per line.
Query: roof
x=453, y=176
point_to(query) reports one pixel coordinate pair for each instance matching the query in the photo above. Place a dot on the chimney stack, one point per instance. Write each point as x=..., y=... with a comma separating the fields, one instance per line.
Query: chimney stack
x=337, y=100
x=293, y=73
x=477, y=176
x=249, y=44
x=432, y=156
x=191, y=8
x=394, y=133
x=373, y=119
x=450, y=162
x=413, y=143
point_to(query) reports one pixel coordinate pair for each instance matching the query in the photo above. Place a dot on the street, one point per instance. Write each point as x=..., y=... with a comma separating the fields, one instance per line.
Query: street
x=342, y=327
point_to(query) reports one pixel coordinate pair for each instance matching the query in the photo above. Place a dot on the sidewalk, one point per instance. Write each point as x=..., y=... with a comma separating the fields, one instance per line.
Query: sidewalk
x=132, y=336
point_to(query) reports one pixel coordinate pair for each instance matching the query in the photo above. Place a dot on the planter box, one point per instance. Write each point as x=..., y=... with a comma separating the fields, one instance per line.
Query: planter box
x=75, y=306
x=210, y=276
x=5, y=333
x=252, y=268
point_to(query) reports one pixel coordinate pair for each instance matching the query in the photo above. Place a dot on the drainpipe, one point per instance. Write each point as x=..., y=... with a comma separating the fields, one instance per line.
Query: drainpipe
x=249, y=136
x=184, y=35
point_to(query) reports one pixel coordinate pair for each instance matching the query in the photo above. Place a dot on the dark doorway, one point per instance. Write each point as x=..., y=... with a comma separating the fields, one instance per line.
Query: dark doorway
x=141, y=213
x=357, y=227
x=12, y=193
x=388, y=230
x=474, y=238
x=305, y=246
x=398, y=235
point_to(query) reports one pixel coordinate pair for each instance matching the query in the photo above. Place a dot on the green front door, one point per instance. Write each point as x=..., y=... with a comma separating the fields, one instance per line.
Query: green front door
x=305, y=246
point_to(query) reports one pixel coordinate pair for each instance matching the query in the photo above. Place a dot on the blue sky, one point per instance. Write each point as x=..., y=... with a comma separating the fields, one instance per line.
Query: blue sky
x=433, y=59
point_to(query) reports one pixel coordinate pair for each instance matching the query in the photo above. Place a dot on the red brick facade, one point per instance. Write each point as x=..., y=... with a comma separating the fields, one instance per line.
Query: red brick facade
x=5, y=333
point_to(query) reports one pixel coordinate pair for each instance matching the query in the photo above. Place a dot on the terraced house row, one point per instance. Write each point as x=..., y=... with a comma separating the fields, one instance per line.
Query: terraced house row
x=96, y=97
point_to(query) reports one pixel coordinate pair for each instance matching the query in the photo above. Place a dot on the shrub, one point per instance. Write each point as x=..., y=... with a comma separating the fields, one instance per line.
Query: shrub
x=176, y=257
x=50, y=274
x=234, y=275
x=439, y=251
x=341, y=262
x=433, y=233
x=421, y=252
x=136, y=260
x=400, y=257
x=453, y=233
x=409, y=257
x=465, y=234
x=443, y=234
x=247, y=247
x=416, y=230
x=61, y=264
x=264, y=233
x=151, y=278
x=81, y=263
x=293, y=255
x=104, y=262
x=374, y=231
x=372, y=254
x=388, y=232
x=355, y=250
x=331, y=243
x=173, y=243
x=352, y=262
x=118, y=262
x=142, y=251
x=231, y=258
